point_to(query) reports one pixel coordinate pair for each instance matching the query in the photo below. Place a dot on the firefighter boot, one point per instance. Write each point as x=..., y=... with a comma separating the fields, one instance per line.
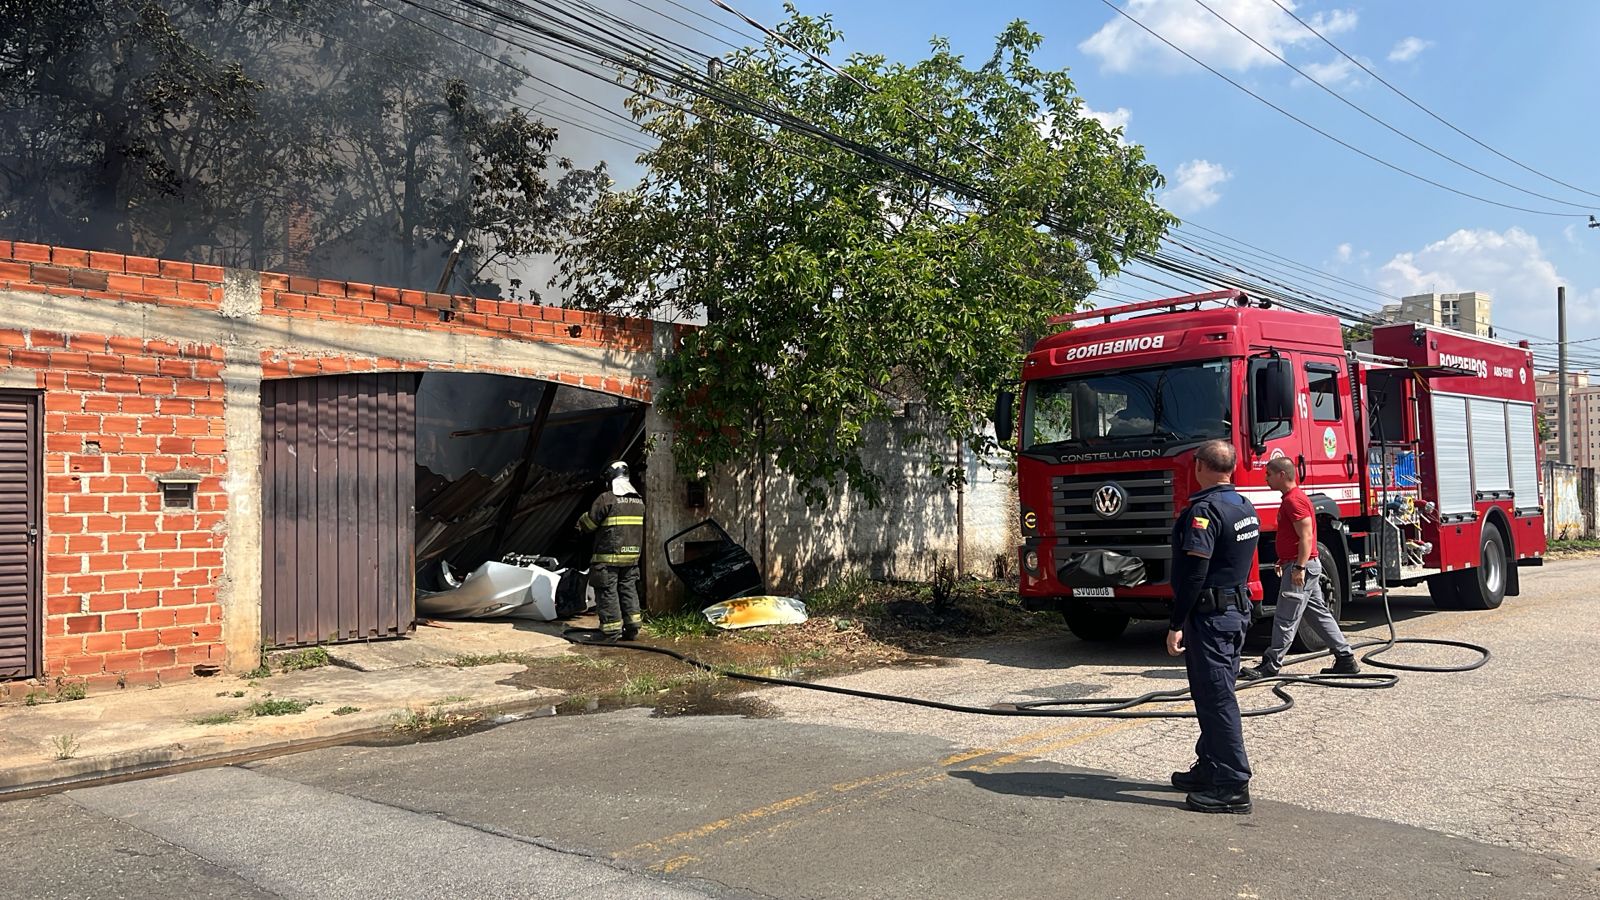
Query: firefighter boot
x=1343, y=664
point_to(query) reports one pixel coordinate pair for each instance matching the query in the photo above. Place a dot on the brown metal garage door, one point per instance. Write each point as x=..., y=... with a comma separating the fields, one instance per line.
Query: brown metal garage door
x=338, y=487
x=19, y=535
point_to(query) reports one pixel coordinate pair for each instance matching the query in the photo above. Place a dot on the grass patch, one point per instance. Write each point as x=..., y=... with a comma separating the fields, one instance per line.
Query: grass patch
x=655, y=684
x=215, y=719
x=66, y=745
x=423, y=720
x=230, y=693
x=453, y=698
x=679, y=623
x=271, y=707
x=1574, y=544
x=299, y=660
x=346, y=710
x=73, y=691
x=846, y=595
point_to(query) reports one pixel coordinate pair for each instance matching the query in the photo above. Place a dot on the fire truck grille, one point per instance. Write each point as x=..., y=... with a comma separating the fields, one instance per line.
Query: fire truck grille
x=1089, y=510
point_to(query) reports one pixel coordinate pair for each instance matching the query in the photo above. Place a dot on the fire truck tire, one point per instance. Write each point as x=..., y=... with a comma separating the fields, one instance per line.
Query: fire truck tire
x=1306, y=639
x=1484, y=587
x=1092, y=625
x=1445, y=591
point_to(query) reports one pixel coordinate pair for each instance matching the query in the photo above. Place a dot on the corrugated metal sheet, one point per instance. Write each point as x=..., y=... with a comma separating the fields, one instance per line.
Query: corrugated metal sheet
x=19, y=548
x=338, y=486
x=1563, y=513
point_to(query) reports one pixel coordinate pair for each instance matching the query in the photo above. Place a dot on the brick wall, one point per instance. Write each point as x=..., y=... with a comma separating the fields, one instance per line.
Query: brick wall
x=342, y=301
x=130, y=588
x=129, y=592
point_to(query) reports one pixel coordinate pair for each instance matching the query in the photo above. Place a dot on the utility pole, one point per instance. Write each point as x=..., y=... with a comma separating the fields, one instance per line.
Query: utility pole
x=1565, y=412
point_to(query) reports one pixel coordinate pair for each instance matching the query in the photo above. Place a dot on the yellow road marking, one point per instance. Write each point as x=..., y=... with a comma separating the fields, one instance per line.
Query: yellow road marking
x=675, y=863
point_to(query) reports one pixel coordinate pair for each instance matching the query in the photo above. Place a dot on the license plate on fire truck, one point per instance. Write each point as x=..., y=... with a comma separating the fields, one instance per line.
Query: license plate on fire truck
x=1092, y=592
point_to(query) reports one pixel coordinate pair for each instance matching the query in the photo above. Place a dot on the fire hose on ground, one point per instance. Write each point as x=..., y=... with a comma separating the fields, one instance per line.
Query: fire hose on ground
x=1115, y=707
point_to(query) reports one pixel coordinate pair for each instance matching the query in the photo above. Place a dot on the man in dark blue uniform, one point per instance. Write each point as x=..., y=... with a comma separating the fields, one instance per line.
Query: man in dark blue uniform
x=1213, y=546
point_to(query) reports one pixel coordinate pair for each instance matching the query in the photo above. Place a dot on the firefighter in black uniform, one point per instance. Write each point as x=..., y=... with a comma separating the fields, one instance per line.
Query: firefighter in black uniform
x=1213, y=546
x=617, y=517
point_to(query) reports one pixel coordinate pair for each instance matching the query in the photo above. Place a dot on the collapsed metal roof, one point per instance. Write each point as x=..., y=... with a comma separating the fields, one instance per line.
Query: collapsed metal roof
x=506, y=465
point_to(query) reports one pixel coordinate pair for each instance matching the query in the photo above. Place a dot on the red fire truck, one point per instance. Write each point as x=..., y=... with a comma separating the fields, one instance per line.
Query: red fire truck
x=1419, y=450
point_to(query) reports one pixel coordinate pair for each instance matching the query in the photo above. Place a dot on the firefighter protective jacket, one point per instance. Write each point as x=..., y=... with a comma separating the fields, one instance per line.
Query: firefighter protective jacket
x=620, y=525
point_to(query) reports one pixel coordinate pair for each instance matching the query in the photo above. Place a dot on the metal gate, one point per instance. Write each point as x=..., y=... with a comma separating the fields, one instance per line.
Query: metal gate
x=19, y=535
x=338, y=488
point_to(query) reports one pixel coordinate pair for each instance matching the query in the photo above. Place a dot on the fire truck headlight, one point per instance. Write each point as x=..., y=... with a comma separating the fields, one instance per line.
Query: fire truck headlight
x=1030, y=561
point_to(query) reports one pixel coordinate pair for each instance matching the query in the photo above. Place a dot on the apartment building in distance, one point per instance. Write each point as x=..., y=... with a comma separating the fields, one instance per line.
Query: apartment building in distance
x=1466, y=311
x=1584, y=398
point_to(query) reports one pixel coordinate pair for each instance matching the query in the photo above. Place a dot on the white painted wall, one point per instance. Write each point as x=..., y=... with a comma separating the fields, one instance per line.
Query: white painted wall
x=800, y=548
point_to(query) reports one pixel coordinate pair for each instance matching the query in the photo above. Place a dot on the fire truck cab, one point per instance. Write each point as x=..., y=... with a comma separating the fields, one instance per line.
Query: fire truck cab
x=1419, y=452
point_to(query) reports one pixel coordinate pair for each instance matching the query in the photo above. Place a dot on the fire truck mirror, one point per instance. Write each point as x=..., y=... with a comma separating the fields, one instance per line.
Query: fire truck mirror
x=1004, y=404
x=1272, y=399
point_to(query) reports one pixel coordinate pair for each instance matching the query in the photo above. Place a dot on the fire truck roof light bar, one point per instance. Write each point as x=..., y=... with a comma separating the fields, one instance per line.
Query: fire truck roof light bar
x=1169, y=303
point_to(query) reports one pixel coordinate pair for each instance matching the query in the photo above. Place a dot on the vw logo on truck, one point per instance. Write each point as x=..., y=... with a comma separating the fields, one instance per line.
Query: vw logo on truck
x=1110, y=500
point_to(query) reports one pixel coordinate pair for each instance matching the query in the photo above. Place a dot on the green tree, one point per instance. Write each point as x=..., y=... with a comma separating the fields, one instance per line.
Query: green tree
x=837, y=286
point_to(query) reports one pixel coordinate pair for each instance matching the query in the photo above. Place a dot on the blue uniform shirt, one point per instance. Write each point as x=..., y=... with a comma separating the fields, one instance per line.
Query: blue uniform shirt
x=1221, y=527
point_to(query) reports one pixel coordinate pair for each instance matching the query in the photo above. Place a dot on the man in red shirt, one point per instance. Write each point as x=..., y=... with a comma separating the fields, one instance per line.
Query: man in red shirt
x=1299, y=581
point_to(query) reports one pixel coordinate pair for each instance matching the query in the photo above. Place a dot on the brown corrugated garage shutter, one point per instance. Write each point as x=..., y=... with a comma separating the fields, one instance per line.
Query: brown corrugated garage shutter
x=19, y=531
x=338, y=486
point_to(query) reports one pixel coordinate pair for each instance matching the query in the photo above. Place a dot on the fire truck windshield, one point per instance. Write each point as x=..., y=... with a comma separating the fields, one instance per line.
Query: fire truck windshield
x=1143, y=407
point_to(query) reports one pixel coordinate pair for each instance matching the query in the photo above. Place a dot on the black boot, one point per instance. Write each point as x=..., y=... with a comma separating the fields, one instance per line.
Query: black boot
x=1343, y=665
x=1198, y=778
x=630, y=633
x=1254, y=673
x=1220, y=800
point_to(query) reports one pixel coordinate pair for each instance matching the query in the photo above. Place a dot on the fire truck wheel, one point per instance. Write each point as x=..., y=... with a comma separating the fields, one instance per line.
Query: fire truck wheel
x=1445, y=591
x=1306, y=639
x=1484, y=586
x=1091, y=625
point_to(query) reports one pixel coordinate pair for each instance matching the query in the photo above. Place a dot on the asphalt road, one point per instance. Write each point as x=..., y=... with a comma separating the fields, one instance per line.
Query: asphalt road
x=1471, y=785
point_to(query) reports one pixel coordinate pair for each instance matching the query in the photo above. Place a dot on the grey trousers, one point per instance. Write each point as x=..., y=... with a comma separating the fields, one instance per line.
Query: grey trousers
x=1306, y=601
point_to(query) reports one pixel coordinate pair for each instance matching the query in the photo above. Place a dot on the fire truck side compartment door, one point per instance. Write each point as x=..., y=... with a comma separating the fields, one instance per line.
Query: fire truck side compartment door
x=1451, y=452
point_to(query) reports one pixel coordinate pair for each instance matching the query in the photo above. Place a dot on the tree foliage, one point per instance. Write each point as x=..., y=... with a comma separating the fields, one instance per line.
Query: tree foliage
x=206, y=130
x=837, y=288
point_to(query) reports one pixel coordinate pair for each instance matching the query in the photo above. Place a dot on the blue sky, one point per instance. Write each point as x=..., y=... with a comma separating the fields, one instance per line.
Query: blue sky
x=1519, y=77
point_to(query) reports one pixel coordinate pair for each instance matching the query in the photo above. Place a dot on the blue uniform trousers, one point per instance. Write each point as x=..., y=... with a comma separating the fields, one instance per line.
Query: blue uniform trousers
x=1212, y=642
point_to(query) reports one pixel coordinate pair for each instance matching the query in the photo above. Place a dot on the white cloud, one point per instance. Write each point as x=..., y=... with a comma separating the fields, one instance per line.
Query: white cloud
x=1332, y=73
x=1345, y=252
x=1110, y=121
x=1408, y=49
x=1511, y=266
x=1196, y=187
x=1122, y=46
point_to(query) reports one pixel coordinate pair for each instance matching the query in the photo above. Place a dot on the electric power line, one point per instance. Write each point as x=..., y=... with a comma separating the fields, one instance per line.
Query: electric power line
x=1337, y=140
x=1436, y=117
x=1362, y=110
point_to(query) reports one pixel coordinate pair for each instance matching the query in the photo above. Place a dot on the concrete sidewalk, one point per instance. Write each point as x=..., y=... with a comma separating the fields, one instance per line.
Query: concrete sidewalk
x=369, y=690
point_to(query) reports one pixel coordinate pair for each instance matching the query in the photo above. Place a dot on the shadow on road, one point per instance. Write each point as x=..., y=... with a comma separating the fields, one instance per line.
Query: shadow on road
x=1084, y=785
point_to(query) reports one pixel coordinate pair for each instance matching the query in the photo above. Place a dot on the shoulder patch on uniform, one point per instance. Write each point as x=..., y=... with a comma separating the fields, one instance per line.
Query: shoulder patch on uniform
x=1202, y=522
